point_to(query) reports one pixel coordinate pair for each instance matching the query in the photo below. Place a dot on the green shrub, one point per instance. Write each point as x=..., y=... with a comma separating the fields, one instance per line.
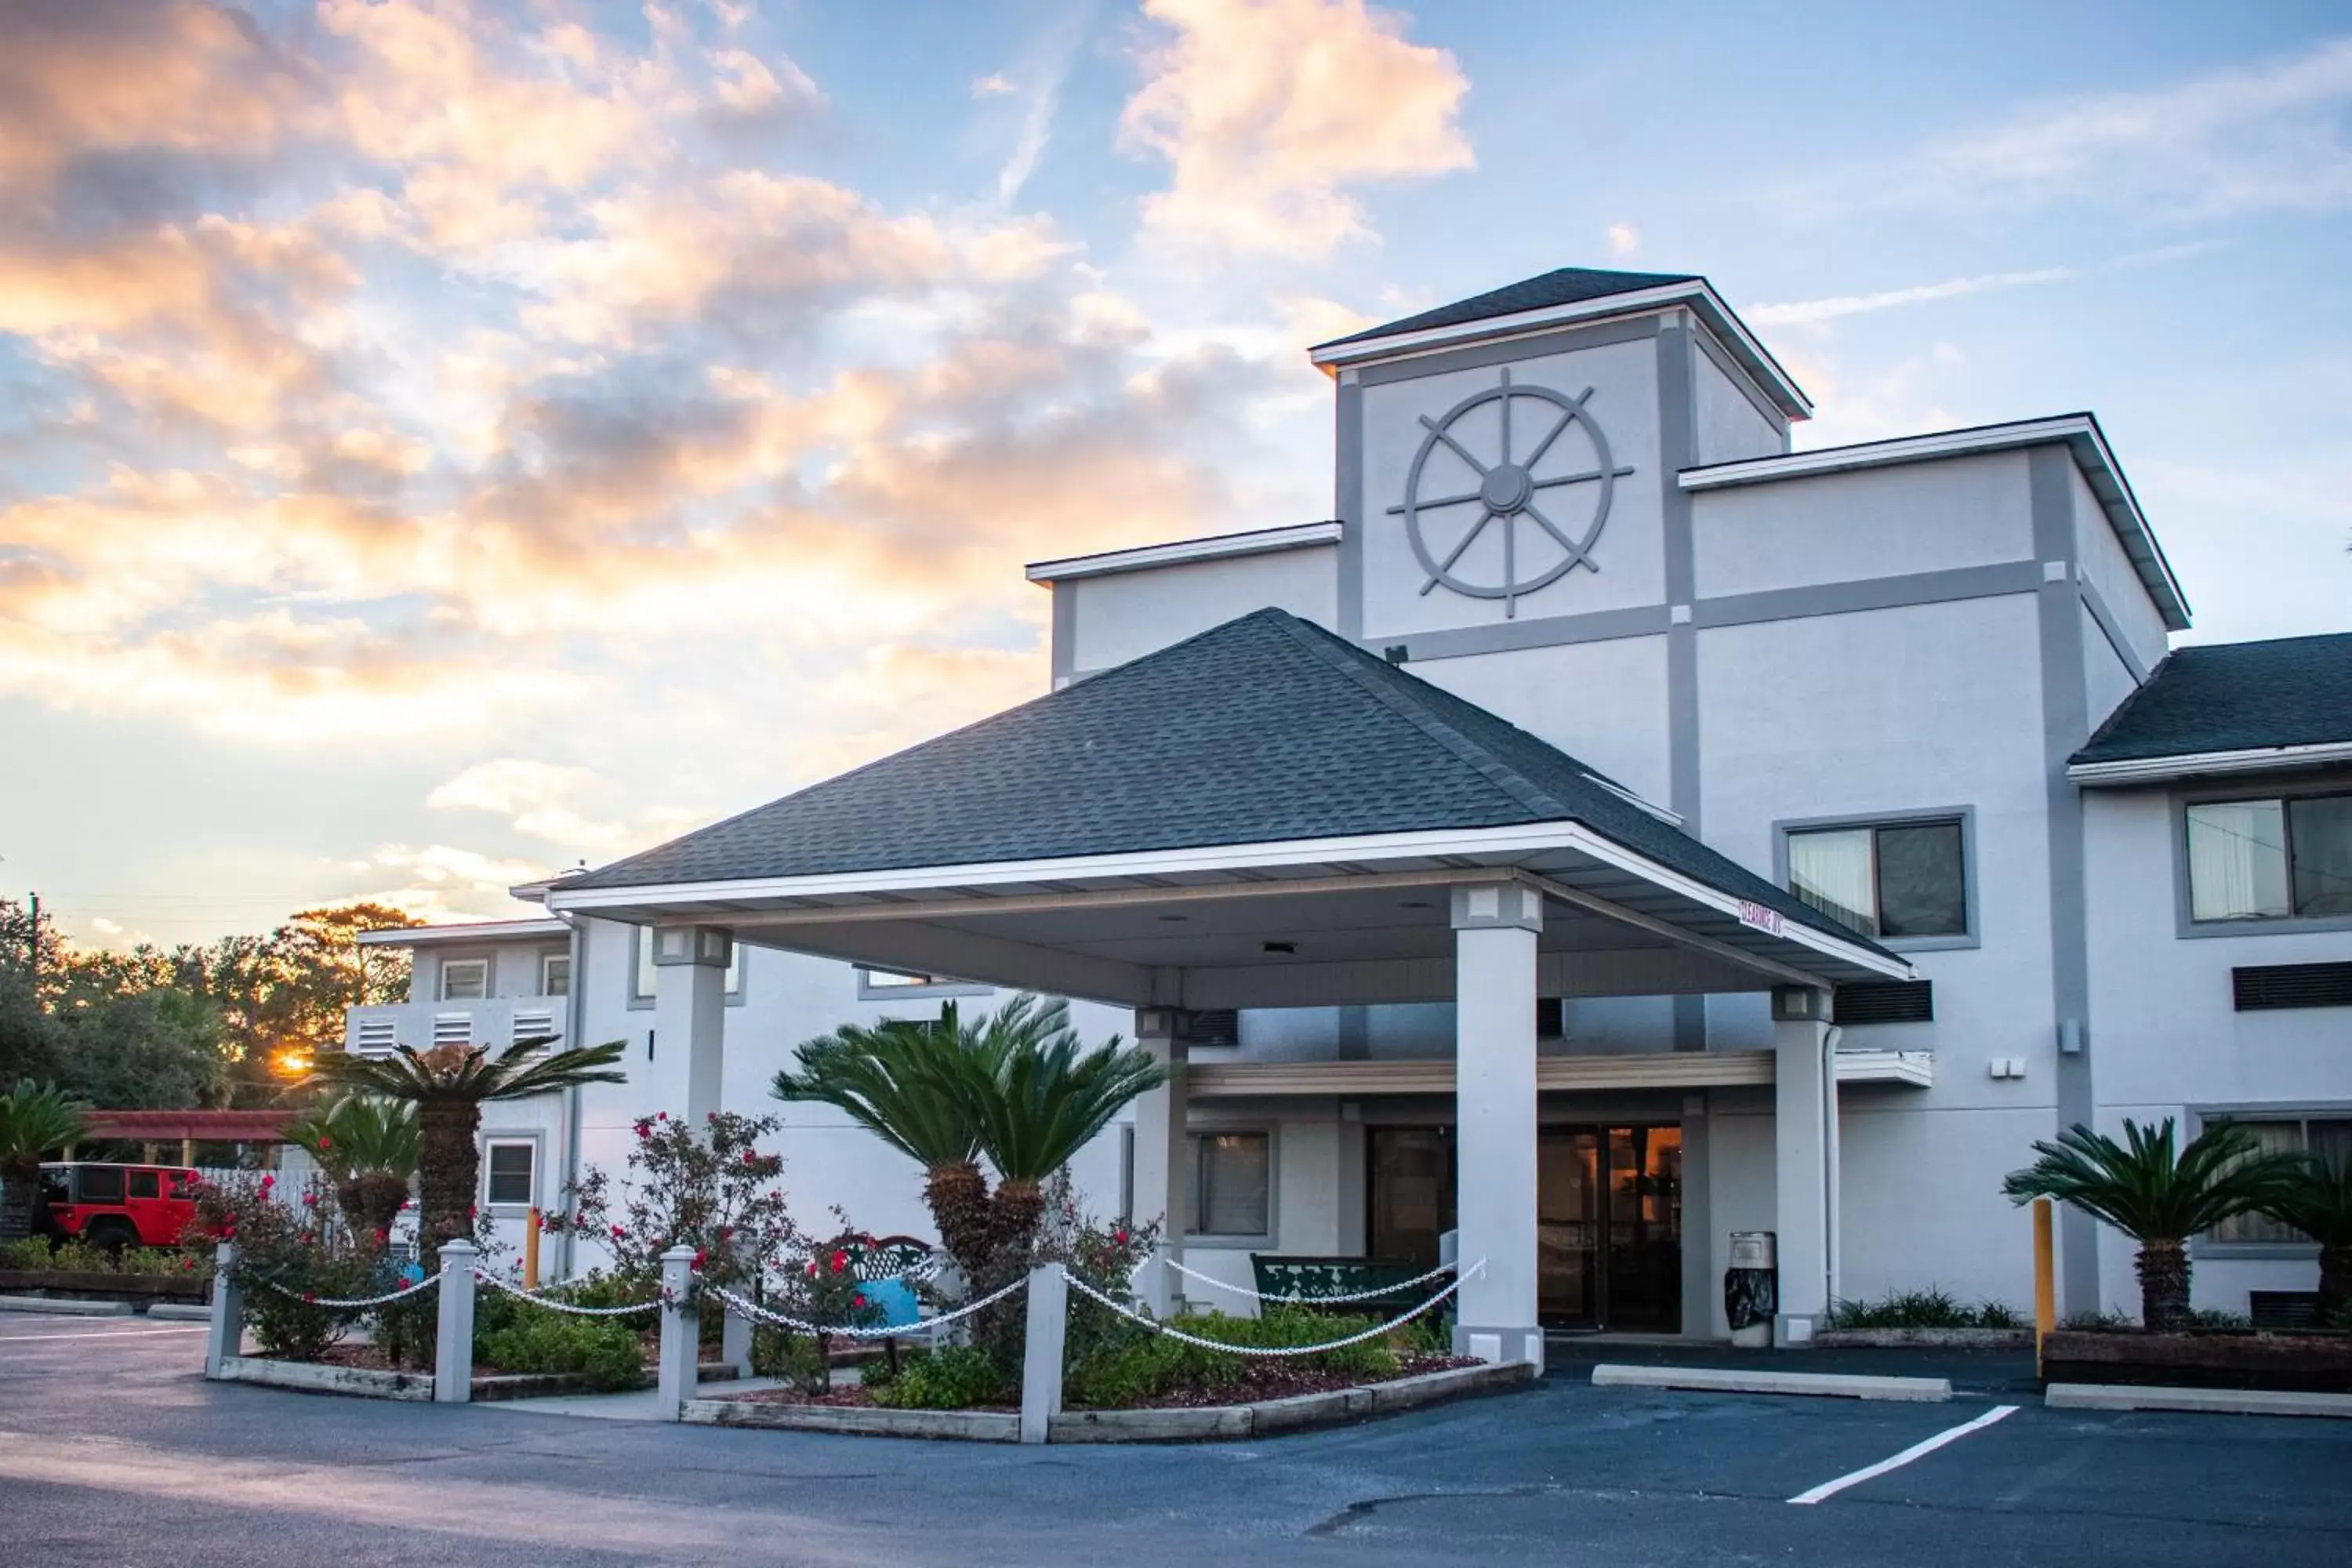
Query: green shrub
x=798, y=1358
x=2217, y=1318
x=533, y=1339
x=1934, y=1308
x=38, y=1254
x=1137, y=1364
x=2000, y=1315
x=954, y=1377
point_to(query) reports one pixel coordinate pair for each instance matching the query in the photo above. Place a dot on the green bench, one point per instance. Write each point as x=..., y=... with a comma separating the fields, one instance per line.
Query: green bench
x=1309, y=1279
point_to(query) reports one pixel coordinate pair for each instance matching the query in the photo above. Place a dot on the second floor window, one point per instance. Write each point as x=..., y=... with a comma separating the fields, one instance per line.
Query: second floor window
x=554, y=973
x=1890, y=880
x=465, y=979
x=2273, y=858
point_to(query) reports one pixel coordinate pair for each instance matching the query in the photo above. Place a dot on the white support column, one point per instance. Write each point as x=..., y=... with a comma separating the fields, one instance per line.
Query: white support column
x=1494, y=1097
x=1804, y=1139
x=453, y=1349
x=1160, y=1187
x=689, y=1019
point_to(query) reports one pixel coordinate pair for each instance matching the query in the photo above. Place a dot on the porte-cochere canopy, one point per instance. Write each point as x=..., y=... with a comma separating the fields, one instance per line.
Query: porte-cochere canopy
x=1261, y=816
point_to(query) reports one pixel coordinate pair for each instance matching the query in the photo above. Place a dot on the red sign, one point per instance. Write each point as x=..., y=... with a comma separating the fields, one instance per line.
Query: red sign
x=1761, y=916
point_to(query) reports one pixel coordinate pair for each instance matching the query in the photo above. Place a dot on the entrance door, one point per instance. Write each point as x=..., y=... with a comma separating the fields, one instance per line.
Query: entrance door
x=1567, y=1227
x=1609, y=1214
x=1412, y=1191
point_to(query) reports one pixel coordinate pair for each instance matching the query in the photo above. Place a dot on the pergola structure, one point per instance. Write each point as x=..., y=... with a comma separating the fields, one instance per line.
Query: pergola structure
x=1265, y=816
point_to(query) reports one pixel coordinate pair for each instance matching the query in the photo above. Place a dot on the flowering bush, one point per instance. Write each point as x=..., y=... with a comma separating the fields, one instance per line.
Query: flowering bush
x=289, y=1256
x=38, y=1254
x=824, y=1283
x=710, y=1188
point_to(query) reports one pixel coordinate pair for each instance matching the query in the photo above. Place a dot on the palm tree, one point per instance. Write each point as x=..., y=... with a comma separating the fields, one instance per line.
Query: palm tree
x=915, y=1084
x=33, y=1119
x=2156, y=1197
x=2317, y=1201
x=449, y=1085
x=1048, y=1099
x=367, y=1146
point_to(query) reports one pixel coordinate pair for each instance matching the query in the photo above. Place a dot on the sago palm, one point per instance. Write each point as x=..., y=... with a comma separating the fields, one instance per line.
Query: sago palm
x=449, y=1085
x=2317, y=1201
x=916, y=1085
x=2156, y=1196
x=367, y=1147
x=1048, y=1098
x=34, y=1119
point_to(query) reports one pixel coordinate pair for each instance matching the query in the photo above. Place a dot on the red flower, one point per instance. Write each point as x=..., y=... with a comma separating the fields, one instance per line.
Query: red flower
x=840, y=1261
x=268, y=1182
x=811, y=1267
x=1119, y=1237
x=311, y=1200
x=187, y=1265
x=618, y=1232
x=309, y=1296
x=325, y=1142
x=381, y=1236
x=711, y=1117
x=726, y=1233
x=699, y=1255
x=644, y=1128
x=661, y=1116
x=858, y=1299
x=472, y=1211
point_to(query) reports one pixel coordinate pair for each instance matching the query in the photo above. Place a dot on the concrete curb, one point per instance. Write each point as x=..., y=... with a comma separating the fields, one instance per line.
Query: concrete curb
x=2208, y=1401
x=179, y=1313
x=1833, y=1385
x=968, y=1426
x=313, y=1377
x=1923, y=1339
x=60, y=1307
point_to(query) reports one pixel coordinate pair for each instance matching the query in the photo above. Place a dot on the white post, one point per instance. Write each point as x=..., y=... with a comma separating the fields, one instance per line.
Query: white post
x=735, y=1337
x=1494, y=935
x=681, y=1336
x=689, y=1019
x=224, y=1336
x=453, y=1354
x=1160, y=1151
x=1041, y=1361
x=1804, y=1111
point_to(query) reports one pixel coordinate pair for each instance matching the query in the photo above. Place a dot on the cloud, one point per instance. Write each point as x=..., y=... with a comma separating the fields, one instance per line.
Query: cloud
x=1624, y=242
x=992, y=86
x=2267, y=138
x=1809, y=312
x=1267, y=110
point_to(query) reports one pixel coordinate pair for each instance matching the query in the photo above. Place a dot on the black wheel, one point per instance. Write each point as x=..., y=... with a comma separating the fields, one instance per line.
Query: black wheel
x=113, y=1234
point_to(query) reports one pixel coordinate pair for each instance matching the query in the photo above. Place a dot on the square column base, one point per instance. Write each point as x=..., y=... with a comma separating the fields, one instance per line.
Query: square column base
x=1795, y=1331
x=1523, y=1341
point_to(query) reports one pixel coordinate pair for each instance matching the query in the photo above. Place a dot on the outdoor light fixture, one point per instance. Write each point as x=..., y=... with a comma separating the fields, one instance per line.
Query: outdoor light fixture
x=1280, y=946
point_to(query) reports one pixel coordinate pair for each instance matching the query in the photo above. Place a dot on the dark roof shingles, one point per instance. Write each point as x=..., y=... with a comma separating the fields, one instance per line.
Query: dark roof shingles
x=2234, y=697
x=1567, y=286
x=1264, y=729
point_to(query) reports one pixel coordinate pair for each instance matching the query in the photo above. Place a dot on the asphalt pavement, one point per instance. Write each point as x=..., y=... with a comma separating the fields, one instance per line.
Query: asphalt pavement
x=114, y=1451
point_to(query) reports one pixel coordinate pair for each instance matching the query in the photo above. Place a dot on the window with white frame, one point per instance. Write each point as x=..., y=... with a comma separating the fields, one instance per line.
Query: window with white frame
x=2275, y=858
x=465, y=979
x=2329, y=1137
x=1232, y=1181
x=509, y=1169
x=1886, y=880
x=554, y=973
x=641, y=983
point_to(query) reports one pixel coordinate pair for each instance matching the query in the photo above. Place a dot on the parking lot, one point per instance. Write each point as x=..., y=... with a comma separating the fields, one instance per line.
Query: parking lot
x=114, y=1451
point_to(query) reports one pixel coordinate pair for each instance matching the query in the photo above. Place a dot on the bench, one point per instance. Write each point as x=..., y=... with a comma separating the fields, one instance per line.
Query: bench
x=1310, y=1278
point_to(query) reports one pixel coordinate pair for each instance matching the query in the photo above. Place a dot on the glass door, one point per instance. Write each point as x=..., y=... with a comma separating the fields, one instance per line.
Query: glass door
x=1412, y=1191
x=1567, y=1228
x=1644, y=1262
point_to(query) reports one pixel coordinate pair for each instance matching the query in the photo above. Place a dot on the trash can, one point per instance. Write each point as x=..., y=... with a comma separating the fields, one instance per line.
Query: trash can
x=1752, y=1288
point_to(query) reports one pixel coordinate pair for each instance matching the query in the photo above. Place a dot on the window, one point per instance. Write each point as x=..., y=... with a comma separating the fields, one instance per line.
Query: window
x=894, y=984
x=506, y=1172
x=2330, y=1137
x=465, y=979
x=100, y=1184
x=1232, y=1181
x=891, y=980
x=145, y=1185
x=554, y=973
x=2275, y=858
x=1893, y=879
x=642, y=982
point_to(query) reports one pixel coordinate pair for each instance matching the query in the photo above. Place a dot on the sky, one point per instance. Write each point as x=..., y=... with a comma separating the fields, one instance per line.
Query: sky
x=443, y=442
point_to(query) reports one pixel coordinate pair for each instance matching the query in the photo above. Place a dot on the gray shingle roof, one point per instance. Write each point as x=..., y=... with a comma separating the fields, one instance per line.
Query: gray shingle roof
x=2234, y=697
x=1567, y=286
x=1264, y=729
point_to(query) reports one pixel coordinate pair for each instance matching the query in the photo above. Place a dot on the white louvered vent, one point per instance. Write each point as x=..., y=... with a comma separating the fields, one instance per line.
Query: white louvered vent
x=453, y=1029
x=534, y=1025
x=374, y=1038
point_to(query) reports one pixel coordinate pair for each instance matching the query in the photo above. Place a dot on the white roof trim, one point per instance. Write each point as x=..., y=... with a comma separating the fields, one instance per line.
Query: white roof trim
x=463, y=931
x=2081, y=434
x=1220, y=547
x=2194, y=764
x=1913, y=1070
x=1696, y=293
x=1208, y=859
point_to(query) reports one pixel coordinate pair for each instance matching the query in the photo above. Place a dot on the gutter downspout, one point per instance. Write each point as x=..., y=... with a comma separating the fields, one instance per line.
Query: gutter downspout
x=575, y=999
x=1830, y=1216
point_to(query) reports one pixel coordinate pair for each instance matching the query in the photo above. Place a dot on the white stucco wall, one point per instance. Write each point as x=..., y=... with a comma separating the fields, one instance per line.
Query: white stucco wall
x=1870, y=522
x=2107, y=680
x=1126, y=615
x=1604, y=703
x=1730, y=426
x=2106, y=568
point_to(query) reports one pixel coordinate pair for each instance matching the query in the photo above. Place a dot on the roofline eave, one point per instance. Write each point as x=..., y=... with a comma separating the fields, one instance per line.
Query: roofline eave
x=2124, y=771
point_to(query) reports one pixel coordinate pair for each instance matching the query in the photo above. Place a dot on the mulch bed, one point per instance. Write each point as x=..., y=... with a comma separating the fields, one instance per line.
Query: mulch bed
x=1260, y=1381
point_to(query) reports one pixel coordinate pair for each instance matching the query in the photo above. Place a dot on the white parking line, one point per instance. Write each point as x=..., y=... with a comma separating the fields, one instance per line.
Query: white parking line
x=105, y=1334
x=1917, y=1450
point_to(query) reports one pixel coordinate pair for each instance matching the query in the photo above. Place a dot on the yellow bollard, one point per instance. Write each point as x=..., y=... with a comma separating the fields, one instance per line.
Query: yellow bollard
x=530, y=1251
x=2045, y=1281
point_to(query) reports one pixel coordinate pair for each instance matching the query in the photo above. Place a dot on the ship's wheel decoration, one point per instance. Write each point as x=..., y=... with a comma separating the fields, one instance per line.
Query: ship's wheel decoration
x=1507, y=484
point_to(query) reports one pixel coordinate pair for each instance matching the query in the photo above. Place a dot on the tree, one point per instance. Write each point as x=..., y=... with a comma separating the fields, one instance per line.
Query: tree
x=449, y=1085
x=1048, y=1099
x=2157, y=1197
x=367, y=1147
x=915, y=1083
x=34, y=1119
x=2317, y=1201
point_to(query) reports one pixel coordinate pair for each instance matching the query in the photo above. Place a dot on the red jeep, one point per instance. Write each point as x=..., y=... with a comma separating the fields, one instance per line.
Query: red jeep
x=115, y=1206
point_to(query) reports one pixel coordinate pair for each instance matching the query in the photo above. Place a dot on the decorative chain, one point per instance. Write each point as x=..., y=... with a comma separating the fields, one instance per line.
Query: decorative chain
x=553, y=1305
x=1158, y=1327
x=783, y=1320
x=308, y=1299
x=1291, y=1298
